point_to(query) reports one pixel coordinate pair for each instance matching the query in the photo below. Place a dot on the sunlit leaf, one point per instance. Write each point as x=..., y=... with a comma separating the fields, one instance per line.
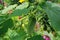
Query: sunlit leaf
x=23, y=5
x=4, y=11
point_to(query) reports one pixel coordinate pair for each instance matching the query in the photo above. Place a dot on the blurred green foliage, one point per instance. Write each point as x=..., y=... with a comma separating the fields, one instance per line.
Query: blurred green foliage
x=29, y=20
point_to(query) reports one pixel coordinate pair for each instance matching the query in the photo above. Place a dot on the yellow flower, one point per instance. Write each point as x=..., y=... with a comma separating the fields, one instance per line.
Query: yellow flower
x=21, y=1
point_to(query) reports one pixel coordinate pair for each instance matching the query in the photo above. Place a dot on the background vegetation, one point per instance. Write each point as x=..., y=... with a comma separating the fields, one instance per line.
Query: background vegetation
x=29, y=20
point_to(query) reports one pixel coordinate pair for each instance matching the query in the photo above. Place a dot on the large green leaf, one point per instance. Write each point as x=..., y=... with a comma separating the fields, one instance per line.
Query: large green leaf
x=23, y=5
x=19, y=12
x=53, y=12
x=37, y=37
x=5, y=25
x=4, y=11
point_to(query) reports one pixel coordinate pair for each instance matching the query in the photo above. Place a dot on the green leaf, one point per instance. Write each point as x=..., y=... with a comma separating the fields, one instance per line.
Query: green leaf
x=37, y=37
x=23, y=5
x=7, y=1
x=0, y=38
x=2, y=18
x=8, y=23
x=58, y=37
x=9, y=34
x=1, y=6
x=19, y=12
x=53, y=12
x=31, y=24
x=40, y=1
x=4, y=11
x=5, y=25
x=21, y=35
